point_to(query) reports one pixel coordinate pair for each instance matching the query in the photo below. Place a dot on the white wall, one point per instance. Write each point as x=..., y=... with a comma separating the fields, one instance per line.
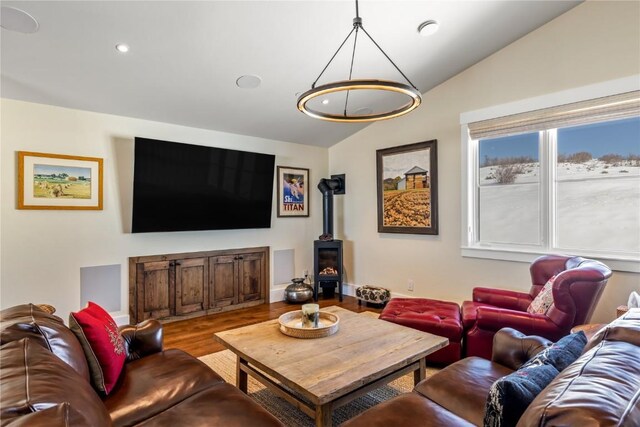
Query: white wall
x=42, y=251
x=594, y=42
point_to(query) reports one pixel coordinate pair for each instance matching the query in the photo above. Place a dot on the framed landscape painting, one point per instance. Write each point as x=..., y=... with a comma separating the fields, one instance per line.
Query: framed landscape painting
x=292, y=192
x=57, y=181
x=407, y=181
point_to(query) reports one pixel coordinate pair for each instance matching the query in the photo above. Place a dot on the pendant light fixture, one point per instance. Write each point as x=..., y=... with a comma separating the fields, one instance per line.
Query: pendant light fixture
x=409, y=90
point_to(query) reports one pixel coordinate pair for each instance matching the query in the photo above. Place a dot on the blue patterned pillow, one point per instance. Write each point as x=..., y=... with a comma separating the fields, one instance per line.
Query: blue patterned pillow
x=510, y=396
x=561, y=354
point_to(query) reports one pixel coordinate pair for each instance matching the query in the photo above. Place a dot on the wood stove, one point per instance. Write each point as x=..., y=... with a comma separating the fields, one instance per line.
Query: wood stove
x=327, y=252
x=327, y=262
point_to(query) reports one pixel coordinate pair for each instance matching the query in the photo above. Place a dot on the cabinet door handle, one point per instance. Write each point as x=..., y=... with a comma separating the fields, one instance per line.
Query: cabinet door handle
x=240, y=257
x=178, y=262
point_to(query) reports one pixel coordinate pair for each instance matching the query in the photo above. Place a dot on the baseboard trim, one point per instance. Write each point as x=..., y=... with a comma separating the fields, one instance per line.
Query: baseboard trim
x=399, y=295
x=277, y=292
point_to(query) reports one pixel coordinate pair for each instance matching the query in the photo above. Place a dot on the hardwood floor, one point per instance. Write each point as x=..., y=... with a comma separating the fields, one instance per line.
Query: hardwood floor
x=195, y=336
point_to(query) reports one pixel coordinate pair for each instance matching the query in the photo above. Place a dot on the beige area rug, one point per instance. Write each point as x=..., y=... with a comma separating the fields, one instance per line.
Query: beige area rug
x=224, y=363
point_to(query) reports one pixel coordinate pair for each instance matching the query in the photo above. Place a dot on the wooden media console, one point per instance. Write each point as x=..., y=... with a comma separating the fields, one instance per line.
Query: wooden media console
x=180, y=286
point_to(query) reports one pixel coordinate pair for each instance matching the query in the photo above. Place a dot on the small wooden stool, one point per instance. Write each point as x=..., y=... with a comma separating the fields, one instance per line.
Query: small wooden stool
x=622, y=309
x=46, y=308
x=589, y=329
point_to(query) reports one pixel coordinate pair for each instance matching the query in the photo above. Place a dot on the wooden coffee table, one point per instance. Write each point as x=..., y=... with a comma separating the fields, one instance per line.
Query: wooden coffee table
x=318, y=375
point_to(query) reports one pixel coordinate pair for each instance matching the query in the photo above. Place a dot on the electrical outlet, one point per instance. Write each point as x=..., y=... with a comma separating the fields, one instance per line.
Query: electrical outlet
x=410, y=285
x=305, y=273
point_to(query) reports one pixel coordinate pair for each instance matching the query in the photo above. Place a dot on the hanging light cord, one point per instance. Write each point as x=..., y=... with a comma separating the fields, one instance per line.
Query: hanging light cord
x=353, y=55
x=313, y=85
x=409, y=90
x=387, y=56
x=357, y=24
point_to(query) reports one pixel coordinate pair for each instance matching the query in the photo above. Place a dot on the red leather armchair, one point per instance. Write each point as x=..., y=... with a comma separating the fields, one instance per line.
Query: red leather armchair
x=576, y=290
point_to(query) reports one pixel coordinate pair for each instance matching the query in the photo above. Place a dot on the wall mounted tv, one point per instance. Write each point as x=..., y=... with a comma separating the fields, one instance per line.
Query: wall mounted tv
x=180, y=187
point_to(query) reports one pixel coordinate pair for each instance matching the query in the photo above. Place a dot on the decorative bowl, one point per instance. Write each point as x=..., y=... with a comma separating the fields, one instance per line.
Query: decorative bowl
x=298, y=291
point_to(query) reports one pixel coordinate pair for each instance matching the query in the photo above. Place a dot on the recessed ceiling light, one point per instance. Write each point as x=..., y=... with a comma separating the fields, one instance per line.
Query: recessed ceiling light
x=428, y=28
x=122, y=48
x=14, y=19
x=325, y=101
x=248, y=81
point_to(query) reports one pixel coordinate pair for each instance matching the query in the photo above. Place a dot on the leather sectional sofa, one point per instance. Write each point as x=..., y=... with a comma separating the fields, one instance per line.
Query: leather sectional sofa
x=44, y=378
x=601, y=388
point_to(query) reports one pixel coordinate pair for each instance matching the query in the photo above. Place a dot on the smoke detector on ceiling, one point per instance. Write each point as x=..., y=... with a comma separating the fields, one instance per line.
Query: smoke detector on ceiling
x=428, y=28
x=17, y=20
x=248, y=81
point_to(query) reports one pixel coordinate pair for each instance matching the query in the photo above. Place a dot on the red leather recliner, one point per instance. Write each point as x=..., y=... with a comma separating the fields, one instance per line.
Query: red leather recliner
x=576, y=290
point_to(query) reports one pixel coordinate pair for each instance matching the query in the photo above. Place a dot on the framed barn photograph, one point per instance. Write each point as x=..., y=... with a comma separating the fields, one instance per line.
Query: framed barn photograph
x=407, y=181
x=292, y=192
x=57, y=181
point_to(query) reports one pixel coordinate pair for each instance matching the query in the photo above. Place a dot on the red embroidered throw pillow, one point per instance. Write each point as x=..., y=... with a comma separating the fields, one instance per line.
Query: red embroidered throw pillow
x=543, y=300
x=102, y=344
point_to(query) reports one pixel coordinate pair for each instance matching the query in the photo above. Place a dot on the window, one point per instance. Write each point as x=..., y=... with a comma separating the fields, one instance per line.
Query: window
x=509, y=190
x=556, y=181
x=597, y=187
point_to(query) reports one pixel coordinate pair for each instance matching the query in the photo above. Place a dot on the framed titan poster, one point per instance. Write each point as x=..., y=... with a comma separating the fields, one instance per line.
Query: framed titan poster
x=292, y=192
x=408, y=189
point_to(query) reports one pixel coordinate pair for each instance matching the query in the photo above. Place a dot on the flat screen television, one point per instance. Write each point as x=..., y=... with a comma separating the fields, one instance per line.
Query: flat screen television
x=180, y=187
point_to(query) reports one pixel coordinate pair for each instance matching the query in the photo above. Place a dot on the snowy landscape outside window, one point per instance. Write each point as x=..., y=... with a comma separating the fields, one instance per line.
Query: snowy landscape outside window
x=509, y=190
x=598, y=186
x=554, y=180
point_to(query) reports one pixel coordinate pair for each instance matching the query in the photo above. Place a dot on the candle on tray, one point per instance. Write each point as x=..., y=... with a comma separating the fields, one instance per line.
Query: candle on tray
x=310, y=315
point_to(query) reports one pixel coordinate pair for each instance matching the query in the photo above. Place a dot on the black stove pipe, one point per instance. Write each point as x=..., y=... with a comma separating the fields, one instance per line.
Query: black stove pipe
x=327, y=187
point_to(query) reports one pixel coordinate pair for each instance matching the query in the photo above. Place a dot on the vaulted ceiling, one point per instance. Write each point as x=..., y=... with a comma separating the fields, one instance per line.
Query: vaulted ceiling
x=185, y=57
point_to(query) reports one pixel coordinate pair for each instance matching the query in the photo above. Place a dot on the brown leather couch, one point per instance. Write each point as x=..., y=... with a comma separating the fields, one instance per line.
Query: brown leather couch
x=601, y=388
x=44, y=381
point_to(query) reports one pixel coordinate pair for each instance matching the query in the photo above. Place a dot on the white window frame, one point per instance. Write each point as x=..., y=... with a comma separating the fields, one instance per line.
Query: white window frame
x=470, y=171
